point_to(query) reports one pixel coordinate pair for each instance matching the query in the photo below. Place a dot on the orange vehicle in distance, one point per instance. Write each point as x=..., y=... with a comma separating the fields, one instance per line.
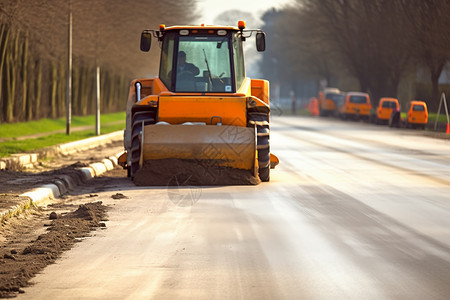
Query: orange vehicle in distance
x=327, y=101
x=340, y=99
x=356, y=105
x=417, y=116
x=385, y=108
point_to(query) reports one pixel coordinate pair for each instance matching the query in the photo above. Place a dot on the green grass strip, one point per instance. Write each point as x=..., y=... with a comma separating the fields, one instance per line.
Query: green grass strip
x=29, y=145
x=442, y=118
x=431, y=117
x=13, y=130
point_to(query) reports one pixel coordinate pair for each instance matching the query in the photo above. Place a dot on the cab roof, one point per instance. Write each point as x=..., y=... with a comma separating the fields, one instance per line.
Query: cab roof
x=418, y=102
x=388, y=99
x=202, y=26
x=357, y=94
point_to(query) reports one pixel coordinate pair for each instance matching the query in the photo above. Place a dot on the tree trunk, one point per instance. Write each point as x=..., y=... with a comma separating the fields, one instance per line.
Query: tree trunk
x=26, y=106
x=38, y=89
x=5, y=47
x=76, y=89
x=384, y=88
x=112, y=88
x=85, y=93
x=11, y=80
x=435, y=64
x=31, y=79
x=61, y=100
x=54, y=87
x=435, y=95
x=10, y=88
x=4, y=40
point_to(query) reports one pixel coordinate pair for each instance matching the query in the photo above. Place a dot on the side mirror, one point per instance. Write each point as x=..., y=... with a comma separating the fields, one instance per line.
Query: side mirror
x=260, y=41
x=146, y=41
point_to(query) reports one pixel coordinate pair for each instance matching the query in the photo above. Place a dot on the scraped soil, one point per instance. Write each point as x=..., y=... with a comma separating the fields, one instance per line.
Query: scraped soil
x=16, y=182
x=181, y=172
x=52, y=170
x=27, y=246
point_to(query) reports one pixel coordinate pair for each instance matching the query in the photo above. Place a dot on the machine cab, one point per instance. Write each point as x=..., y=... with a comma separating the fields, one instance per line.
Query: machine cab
x=202, y=59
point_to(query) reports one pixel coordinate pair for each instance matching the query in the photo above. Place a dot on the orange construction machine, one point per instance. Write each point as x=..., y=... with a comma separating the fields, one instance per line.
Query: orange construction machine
x=202, y=106
x=327, y=101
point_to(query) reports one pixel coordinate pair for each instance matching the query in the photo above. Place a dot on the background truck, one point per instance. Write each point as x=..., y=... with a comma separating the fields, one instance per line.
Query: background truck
x=327, y=101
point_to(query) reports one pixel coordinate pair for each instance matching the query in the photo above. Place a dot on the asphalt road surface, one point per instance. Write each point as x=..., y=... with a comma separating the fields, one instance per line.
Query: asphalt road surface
x=353, y=211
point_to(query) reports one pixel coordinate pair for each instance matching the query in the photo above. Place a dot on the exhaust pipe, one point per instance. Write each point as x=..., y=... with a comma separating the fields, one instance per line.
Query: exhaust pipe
x=138, y=91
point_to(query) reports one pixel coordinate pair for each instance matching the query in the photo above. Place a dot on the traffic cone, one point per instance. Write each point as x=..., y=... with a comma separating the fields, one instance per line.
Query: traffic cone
x=448, y=129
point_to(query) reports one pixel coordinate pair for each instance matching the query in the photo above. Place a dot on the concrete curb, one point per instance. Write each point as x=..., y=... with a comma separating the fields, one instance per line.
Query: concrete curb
x=42, y=196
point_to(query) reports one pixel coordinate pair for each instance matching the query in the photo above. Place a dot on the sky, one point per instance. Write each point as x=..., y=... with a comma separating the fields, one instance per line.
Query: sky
x=211, y=8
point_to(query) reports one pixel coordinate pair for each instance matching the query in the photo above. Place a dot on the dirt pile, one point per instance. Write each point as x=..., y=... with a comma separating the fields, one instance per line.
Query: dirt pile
x=178, y=172
x=17, y=265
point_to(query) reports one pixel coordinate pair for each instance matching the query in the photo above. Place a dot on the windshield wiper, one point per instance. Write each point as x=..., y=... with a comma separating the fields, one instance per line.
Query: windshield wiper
x=219, y=44
x=209, y=71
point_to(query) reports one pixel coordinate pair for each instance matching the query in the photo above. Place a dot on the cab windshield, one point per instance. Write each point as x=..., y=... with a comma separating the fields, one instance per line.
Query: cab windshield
x=358, y=99
x=418, y=107
x=332, y=96
x=203, y=64
x=389, y=104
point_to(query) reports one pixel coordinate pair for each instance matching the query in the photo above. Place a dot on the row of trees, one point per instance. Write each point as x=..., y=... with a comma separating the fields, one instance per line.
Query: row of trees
x=376, y=42
x=34, y=45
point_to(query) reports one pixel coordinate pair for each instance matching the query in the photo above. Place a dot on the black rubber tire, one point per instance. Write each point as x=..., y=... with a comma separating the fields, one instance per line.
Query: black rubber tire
x=139, y=117
x=261, y=121
x=263, y=146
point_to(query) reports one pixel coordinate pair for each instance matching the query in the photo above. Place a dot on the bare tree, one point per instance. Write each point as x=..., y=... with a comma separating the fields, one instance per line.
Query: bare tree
x=366, y=35
x=430, y=23
x=33, y=47
x=378, y=42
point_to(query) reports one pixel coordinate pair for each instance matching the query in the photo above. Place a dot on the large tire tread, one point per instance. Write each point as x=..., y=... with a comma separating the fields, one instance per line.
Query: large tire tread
x=261, y=121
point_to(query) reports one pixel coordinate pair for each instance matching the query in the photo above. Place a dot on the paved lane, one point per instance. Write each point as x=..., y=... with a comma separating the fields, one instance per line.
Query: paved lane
x=353, y=211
